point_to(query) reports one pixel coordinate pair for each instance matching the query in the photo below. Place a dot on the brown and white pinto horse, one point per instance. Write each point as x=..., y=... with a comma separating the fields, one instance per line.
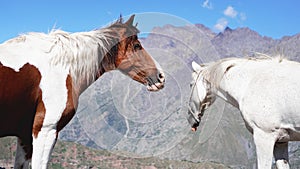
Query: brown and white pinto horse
x=42, y=76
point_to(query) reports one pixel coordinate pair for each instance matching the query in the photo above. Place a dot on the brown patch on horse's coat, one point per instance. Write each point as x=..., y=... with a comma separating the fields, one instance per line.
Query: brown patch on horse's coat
x=39, y=116
x=19, y=92
x=128, y=62
x=71, y=105
x=19, y=95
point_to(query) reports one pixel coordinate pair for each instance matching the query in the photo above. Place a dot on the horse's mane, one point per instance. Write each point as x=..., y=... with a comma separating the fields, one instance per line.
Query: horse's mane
x=215, y=71
x=80, y=52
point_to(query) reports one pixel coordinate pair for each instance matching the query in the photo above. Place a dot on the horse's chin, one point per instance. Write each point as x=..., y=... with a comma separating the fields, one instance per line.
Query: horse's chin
x=155, y=87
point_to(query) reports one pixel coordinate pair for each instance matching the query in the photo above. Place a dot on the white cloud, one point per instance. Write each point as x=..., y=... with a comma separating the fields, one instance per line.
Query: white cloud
x=229, y=11
x=207, y=4
x=230, y=14
x=221, y=24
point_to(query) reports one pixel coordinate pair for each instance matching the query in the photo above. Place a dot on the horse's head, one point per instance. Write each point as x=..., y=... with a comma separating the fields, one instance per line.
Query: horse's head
x=201, y=96
x=132, y=59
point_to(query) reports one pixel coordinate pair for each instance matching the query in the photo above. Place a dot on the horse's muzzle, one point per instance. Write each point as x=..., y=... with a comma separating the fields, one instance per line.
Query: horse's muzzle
x=193, y=121
x=157, y=82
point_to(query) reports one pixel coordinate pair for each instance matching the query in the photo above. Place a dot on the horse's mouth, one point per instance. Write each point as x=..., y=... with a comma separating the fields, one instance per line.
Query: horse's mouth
x=155, y=83
x=193, y=120
x=155, y=86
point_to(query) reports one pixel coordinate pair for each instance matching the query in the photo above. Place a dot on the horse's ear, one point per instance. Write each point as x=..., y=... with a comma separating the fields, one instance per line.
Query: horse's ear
x=196, y=67
x=129, y=22
x=120, y=20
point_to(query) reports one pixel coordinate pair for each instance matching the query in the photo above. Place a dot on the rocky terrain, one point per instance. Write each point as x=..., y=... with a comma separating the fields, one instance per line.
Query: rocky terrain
x=70, y=155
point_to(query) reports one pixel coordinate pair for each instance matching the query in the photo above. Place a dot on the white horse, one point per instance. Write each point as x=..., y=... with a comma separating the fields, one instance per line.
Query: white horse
x=266, y=91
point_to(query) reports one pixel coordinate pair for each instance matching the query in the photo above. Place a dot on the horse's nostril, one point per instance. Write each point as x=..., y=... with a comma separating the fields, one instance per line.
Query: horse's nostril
x=161, y=77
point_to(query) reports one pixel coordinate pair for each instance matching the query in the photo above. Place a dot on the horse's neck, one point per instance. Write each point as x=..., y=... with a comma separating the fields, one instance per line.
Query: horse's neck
x=227, y=97
x=234, y=83
x=81, y=83
x=90, y=64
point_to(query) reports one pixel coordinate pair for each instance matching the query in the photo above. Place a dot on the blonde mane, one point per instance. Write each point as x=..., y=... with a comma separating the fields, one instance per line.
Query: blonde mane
x=82, y=52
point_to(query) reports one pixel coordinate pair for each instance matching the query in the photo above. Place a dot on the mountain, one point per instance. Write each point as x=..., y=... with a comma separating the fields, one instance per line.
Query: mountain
x=242, y=42
x=289, y=46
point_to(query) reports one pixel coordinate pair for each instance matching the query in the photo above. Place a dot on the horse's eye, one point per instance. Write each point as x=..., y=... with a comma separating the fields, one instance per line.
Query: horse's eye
x=137, y=46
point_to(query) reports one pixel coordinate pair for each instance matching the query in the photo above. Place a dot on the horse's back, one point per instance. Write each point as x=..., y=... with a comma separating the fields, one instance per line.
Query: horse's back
x=280, y=80
x=33, y=47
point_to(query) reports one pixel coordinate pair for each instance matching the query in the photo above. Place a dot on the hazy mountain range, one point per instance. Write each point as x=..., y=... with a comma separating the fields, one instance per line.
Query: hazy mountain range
x=119, y=115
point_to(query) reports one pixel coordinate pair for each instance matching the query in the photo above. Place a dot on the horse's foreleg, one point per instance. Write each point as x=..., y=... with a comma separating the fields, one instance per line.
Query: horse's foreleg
x=42, y=147
x=23, y=155
x=264, y=143
x=281, y=155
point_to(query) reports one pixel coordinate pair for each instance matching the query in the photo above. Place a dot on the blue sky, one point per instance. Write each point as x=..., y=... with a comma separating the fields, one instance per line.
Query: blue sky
x=271, y=18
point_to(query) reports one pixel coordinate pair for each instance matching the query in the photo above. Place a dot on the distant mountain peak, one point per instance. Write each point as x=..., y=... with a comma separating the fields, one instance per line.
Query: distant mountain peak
x=228, y=29
x=206, y=30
